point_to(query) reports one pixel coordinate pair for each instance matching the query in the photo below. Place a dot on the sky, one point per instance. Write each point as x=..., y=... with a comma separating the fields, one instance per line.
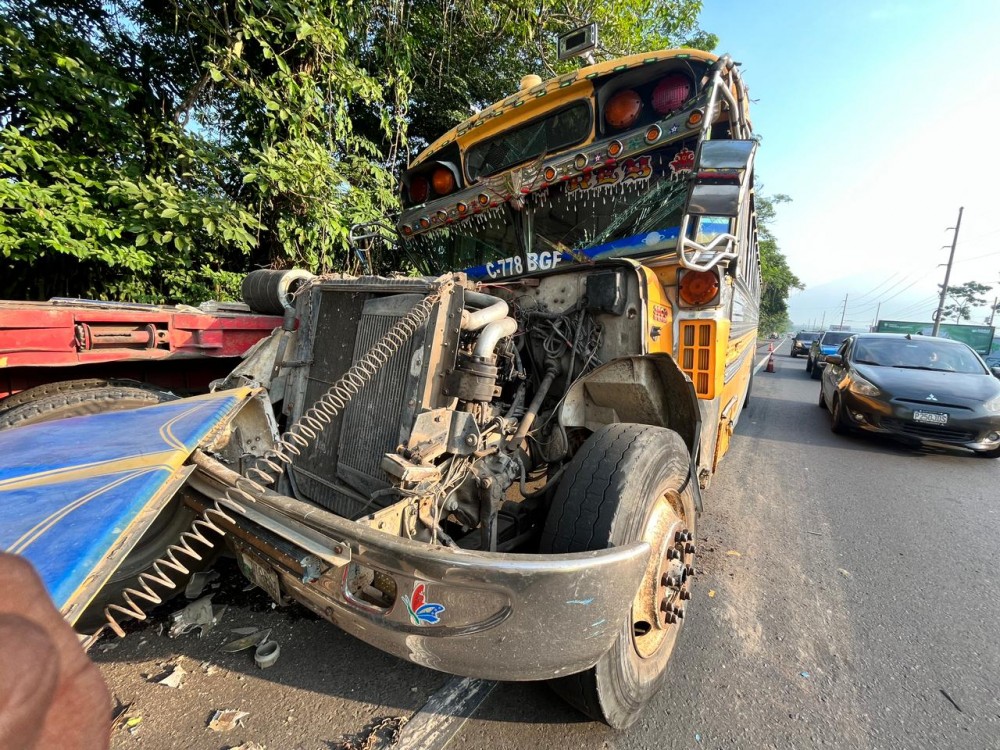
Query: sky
x=875, y=119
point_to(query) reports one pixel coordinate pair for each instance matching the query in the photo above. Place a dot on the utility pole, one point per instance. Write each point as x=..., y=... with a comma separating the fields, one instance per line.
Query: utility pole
x=877, y=311
x=947, y=274
x=996, y=301
x=843, y=313
x=823, y=321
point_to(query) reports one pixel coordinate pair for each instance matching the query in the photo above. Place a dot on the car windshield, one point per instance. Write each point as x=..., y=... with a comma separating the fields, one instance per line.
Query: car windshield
x=917, y=354
x=807, y=337
x=835, y=338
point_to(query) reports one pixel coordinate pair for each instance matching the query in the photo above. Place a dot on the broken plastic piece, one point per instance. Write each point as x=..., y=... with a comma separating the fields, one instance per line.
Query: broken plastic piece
x=249, y=641
x=174, y=679
x=224, y=720
x=267, y=654
x=198, y=583
x=197, y=615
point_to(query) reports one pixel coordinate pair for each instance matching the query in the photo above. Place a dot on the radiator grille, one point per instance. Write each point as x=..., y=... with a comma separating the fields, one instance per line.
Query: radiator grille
x=373, y=420
x=697, y=355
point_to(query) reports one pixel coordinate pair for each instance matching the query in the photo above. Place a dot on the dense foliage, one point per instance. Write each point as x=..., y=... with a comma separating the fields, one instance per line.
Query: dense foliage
x=962, y=299
x=154, y=151
x=777, y=279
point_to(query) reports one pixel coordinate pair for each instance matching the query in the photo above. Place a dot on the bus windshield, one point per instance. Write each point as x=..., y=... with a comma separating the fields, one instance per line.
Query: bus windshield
x=601, y=210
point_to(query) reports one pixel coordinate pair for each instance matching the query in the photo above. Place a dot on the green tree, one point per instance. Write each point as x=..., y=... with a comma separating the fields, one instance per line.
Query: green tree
x=964, y=298
x=777, y=279
x=153, y=151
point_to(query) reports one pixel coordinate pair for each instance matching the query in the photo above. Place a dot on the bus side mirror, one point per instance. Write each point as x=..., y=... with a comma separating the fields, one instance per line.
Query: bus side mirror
x=720, y=170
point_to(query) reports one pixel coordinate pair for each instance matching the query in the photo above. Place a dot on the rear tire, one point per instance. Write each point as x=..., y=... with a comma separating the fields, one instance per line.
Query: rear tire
x=623, y=485
x=822, y=401
x=817, y=372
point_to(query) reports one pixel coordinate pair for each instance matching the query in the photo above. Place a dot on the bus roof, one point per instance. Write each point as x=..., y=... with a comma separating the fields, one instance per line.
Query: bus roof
x=521, y=97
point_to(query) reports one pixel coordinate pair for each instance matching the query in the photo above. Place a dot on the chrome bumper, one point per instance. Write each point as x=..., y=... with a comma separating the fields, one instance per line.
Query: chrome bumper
x=488, y=615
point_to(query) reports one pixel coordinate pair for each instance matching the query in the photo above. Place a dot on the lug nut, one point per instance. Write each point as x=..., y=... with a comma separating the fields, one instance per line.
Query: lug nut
x=689, y=548
x=689, y=570
x=673, y=554
x=679, y=611
x=685, y=594
x=668, y=580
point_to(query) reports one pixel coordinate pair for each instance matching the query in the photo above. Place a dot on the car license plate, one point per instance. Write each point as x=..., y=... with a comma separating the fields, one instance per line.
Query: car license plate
x=262, y=575
x=930, y=417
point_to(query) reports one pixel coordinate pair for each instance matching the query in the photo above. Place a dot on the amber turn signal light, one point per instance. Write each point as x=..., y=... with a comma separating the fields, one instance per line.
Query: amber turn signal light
x=443, y=181
x=699, y=287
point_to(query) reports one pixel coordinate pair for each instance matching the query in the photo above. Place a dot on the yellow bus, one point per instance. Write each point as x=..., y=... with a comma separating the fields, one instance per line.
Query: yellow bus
x=612, y=208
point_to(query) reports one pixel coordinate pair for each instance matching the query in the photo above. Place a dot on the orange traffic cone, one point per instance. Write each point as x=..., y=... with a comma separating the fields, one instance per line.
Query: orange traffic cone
x=770, y=363
x=770, y=348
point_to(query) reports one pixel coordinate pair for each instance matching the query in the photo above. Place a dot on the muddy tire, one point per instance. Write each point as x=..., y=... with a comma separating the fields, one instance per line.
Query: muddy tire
x=624, y=485
x=80, y=402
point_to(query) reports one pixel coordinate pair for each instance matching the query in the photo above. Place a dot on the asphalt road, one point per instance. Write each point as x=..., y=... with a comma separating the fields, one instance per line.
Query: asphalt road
x=849, y=597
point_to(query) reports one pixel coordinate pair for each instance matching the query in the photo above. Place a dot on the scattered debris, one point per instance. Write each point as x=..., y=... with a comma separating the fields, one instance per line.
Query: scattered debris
x=198, y=582
x=197, y=615
x=133, y=724
x=118, y=717
x=711, y=593
x=109, y=646
x=380, y=733
x=845, y=573
x=208, y=668
x=951, y=701
x=249, y=746
x=251, y=640
x=804, y=674
x=224, y=720
x=734, y=553
x=245, y=631
x=814, y=533
x=267, y=654
x=174, y=679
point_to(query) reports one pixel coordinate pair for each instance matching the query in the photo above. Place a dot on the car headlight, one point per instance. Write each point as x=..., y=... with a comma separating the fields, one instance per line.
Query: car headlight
x=993, y=405
x=863, y=387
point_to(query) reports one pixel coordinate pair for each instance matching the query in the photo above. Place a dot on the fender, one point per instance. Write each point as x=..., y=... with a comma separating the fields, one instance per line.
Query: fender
x=76, y=495
x=649, y=389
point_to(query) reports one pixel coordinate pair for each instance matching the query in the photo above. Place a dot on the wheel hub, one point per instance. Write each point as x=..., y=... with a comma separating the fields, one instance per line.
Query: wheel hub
x=658, y=608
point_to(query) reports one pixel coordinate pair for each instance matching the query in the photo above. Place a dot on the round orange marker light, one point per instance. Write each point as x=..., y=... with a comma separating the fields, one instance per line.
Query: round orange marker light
x=462, y=208
x=443, y=181
x=695, y=118
x=653, y=134
x=615, y=148
x=549, y=174
x=484, y=199
x=699, y=287
x=623, y=109
x=424, y=222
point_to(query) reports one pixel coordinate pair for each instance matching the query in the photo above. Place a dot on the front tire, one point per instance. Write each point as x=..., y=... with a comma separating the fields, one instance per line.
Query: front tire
x=629, y=482
x=838, y=423
x=817, y=372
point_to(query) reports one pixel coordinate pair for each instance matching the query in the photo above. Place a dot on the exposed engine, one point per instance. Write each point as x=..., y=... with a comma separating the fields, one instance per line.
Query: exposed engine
x=454, y=440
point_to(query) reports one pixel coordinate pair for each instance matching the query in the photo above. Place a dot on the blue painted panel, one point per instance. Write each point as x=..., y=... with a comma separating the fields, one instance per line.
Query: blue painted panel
x=70, y=489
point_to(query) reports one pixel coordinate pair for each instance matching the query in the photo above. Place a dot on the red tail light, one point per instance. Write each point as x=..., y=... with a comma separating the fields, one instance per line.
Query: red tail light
x=419, y=190
x=670, y=93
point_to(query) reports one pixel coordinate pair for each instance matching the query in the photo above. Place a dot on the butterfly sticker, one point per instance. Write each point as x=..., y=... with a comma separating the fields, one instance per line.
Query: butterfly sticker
x=421, y=611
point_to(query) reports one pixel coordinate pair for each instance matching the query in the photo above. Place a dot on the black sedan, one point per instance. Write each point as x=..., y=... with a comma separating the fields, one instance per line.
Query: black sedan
x=918, y=389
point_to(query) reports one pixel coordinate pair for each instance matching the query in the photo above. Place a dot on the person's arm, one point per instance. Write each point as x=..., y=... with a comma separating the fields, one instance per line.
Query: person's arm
x=51, y=694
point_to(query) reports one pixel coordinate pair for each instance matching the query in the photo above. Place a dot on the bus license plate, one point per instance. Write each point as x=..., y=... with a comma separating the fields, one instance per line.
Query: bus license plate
x=930, y=417
x=263, y=576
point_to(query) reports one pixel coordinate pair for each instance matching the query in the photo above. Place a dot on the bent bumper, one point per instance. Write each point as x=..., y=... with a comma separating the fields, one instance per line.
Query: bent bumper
x=477, y=614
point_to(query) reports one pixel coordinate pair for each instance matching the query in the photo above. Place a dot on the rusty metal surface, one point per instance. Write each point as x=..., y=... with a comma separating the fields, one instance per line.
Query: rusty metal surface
x=553, y=614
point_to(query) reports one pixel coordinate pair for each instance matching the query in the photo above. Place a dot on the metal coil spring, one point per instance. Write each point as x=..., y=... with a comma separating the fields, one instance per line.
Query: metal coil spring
x=291, y=444
x=169, y=560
